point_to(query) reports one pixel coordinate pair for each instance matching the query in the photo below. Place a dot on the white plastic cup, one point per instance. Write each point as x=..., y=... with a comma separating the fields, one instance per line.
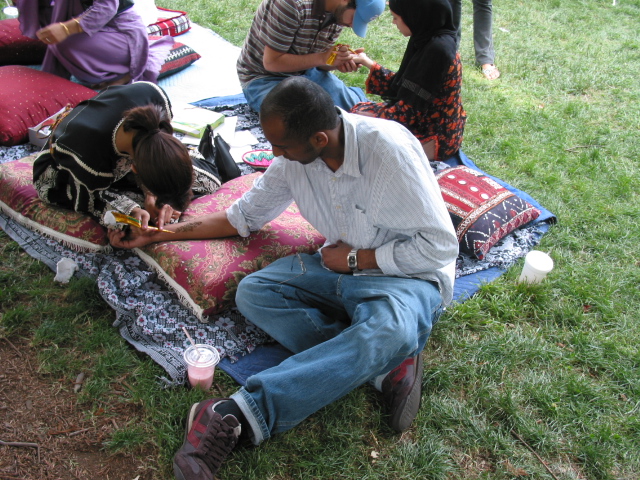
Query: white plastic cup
x=536, y=266
x=201, y=362
x=10, y=12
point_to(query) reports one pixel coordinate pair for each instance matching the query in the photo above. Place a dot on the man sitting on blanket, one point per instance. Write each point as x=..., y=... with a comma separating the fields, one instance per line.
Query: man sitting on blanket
x=359, y=310
x=296, y=37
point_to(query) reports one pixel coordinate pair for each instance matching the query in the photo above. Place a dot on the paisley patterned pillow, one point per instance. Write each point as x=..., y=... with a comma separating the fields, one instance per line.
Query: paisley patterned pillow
x=482, y=210
x=209, y=271
x=19, y=200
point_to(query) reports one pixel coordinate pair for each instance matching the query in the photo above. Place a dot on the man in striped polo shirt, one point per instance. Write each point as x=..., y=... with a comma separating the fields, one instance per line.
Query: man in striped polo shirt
x=296, y=37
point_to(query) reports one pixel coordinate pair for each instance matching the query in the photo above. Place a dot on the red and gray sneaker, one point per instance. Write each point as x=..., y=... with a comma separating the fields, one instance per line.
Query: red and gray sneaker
x=402, y=391
x=209, y=439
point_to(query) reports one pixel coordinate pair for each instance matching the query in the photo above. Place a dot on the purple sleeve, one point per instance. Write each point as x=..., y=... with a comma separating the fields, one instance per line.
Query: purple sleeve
x=34, y=14
x=98, y=15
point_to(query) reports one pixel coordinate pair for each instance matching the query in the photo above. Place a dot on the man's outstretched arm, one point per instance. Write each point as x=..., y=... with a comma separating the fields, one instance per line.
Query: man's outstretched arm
x=213, y=225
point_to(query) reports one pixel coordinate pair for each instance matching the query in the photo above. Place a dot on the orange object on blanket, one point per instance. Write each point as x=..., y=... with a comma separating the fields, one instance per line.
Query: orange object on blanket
x=127, y=220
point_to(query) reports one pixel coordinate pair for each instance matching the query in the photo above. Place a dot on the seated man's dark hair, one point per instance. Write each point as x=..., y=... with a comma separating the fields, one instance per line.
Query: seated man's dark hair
x=304, y=107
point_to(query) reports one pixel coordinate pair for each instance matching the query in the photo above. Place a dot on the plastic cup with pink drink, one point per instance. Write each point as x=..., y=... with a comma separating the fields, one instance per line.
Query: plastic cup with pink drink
x=201, y=362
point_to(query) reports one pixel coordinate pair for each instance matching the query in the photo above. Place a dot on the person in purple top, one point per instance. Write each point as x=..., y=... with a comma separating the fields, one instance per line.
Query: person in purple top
x=99, y=42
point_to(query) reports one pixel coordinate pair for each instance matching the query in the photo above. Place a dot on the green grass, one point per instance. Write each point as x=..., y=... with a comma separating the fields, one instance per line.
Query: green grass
x=554, y=366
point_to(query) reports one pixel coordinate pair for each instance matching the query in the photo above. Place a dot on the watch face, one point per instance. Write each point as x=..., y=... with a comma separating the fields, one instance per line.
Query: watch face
x=352, y=260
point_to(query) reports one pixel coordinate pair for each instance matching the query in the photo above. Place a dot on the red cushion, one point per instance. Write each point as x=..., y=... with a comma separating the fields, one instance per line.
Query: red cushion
x=28, y=96
x=180, y=57
x=19, y=200
x=482, y=210
x=15, y=48
x=209, y=270
x=170, y=22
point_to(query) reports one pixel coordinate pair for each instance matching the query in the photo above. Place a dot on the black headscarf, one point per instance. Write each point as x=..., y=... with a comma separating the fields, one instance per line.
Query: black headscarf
x=430, y=51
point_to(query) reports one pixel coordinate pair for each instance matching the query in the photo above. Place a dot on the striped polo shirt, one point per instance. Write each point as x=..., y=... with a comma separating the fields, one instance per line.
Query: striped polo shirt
x=287, y=26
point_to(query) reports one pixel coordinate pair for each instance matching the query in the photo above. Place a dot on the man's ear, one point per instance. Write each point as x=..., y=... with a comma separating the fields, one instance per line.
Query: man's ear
x=319, y=139
x=133, y=168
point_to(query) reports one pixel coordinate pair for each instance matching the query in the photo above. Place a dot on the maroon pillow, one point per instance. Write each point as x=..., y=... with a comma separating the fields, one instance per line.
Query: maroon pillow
x=206, y=273
x=28, y=96
x=482, y=210
x=180, y=57
x=15, y=48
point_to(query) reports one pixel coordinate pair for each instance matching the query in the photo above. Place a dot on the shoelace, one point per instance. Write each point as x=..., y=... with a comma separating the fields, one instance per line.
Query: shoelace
x=217, y=443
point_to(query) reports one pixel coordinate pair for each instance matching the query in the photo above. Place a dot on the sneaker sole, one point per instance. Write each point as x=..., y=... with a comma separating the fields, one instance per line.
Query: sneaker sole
x=405, y=415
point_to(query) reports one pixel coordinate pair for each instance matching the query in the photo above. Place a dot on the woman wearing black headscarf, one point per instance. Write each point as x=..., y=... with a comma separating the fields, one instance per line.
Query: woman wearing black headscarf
x=424, y=94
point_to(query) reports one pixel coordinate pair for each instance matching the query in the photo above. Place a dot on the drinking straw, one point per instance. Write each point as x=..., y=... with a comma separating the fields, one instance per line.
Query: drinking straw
x=188, y=336
x=192, y=342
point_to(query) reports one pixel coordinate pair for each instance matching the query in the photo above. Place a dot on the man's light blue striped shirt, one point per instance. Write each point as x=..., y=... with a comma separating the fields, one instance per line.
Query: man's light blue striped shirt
x=384, y=197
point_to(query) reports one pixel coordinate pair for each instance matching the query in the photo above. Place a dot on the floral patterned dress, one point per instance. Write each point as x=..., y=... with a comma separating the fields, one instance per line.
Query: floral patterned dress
x=443, y=120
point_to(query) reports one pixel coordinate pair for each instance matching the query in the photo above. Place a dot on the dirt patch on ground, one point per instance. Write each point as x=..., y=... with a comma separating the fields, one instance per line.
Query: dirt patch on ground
x=53, y=436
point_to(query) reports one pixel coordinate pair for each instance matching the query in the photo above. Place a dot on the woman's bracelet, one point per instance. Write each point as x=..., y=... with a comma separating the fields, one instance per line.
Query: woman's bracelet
x=79, y=26
x=65, y=29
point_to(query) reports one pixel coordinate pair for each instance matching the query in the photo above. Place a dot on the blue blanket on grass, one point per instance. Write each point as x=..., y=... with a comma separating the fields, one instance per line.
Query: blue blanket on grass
x=244, y=358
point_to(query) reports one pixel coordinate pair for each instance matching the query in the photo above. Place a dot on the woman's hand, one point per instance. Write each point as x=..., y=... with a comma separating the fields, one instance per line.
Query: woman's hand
x=361, y=59
x=160, y=216
x=142, y=216
x=54, y=33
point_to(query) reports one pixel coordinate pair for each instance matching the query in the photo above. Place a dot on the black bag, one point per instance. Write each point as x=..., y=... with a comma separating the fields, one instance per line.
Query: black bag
x=217, y=151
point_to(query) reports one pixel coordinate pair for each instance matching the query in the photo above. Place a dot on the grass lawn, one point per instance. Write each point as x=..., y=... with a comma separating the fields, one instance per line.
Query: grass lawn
x=516, y=377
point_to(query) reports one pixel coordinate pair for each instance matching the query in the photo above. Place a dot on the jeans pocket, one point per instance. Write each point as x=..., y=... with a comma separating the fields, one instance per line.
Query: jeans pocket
x=298, y=268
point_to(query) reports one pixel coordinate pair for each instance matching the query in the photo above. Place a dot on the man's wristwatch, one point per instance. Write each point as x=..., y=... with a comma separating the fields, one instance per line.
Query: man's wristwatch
x=352, y=260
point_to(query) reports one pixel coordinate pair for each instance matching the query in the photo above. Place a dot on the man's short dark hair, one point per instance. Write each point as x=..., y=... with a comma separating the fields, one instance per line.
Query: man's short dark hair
x=304, y=107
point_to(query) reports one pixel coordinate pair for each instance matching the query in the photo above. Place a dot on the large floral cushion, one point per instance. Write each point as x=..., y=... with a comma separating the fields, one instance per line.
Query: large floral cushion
x=210, y=271
x=204, y=273
x=19, y=200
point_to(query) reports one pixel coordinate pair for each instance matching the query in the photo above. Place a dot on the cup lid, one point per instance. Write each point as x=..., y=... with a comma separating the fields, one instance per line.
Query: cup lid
x=201, y=355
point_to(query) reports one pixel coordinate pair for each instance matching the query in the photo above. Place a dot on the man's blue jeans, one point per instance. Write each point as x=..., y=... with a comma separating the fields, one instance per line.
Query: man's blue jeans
x=343, y=329
x=343, y=96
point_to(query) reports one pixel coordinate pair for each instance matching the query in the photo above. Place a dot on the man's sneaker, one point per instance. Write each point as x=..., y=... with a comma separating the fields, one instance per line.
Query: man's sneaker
x=402, y=391
x=209, y=439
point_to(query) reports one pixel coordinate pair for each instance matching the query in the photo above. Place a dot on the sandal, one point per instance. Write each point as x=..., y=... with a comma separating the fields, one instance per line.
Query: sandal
x=258, y=159
x=490, y=71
